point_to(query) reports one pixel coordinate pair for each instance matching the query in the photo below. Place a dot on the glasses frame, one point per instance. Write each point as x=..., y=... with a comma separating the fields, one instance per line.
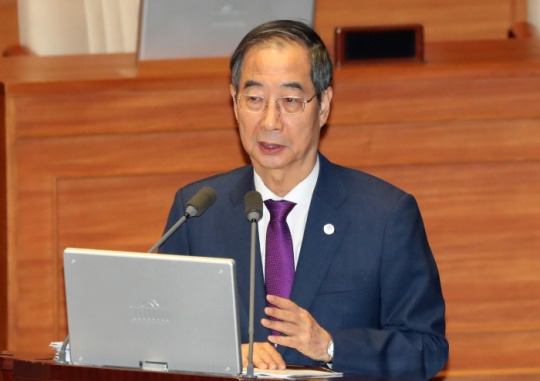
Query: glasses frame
x=276, y=101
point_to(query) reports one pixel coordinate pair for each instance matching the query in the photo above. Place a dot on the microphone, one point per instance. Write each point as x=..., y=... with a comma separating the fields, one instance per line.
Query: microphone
x=196, y=206
x=254, y=212
x=254, y=206
x=202, y=200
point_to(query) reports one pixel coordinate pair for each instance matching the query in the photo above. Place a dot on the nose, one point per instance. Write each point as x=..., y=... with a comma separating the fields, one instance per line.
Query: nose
x=271, y=120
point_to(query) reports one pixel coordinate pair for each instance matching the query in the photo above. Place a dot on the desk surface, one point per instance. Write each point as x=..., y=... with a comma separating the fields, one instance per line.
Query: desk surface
x=42, y=367
x=30, y=69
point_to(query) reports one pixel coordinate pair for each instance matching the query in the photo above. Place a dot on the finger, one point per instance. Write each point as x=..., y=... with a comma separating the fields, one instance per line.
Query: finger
x=283, y=327
x=281, y=315
x=268, y=357
x=282, y=303
x=265, y=356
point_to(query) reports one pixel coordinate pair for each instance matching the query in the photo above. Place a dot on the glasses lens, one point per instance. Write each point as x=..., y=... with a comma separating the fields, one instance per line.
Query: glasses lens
x=286, y=105
x=291, y=105
x=252, y=103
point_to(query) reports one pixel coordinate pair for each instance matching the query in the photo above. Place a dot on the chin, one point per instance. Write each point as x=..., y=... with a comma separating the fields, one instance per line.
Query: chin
x=273, y=163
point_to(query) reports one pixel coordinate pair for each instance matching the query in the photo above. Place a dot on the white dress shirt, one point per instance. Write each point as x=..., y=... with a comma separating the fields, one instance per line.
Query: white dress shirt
x=301, y=195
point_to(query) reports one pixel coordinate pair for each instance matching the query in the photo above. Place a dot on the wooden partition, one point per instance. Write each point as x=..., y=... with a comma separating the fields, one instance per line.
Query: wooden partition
x=94, y=153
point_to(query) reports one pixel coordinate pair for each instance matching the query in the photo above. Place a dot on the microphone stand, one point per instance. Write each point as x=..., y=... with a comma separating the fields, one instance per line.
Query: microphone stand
x=249, y=372
x=170, y=231
x=254, y=211
x=62, y=355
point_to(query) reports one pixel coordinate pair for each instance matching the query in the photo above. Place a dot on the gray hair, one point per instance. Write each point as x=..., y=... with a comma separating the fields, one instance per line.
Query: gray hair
x=286, y=31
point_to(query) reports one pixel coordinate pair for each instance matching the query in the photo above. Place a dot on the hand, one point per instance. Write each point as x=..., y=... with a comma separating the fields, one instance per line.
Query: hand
x=265, y=356
x=301, y=330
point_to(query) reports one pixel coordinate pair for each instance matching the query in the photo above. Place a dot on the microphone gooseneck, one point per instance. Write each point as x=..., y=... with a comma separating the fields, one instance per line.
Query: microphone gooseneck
x=196, y=206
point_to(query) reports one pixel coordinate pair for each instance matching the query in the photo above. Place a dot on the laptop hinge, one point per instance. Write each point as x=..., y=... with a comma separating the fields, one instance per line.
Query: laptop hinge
x=154, y=365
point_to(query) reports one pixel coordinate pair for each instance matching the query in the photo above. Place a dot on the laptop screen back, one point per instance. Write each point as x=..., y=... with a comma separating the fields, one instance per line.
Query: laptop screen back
x=138, y=310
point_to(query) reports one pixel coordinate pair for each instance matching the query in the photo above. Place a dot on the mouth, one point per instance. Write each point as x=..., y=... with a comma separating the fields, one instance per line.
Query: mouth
x=270, y=148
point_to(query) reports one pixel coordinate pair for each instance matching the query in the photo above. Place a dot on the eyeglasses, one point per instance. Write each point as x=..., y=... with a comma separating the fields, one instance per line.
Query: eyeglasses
x=286, y=105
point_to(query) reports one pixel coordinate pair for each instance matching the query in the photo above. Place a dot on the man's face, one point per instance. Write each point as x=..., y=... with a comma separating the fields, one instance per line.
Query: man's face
x=273, y=140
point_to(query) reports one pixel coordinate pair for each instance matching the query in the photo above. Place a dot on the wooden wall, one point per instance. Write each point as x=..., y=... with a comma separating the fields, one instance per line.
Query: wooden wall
x=9, y=34
x=443, y=19
x=94, y=151
x=95, y=161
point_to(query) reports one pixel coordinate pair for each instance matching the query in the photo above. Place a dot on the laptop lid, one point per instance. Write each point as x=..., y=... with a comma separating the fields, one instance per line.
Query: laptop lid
x=193, y=28
x=154, y=311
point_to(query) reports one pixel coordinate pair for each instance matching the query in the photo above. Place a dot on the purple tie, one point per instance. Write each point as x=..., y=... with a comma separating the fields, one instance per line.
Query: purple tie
x=279, y=267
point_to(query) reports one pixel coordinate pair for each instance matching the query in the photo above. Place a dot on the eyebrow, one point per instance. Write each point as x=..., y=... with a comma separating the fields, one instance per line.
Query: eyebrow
x=251, y=83
x=293, y=85
x=290, y=85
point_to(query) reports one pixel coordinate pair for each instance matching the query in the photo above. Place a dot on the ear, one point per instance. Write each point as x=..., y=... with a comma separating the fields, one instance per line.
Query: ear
x=233, y=95
x=326, y=100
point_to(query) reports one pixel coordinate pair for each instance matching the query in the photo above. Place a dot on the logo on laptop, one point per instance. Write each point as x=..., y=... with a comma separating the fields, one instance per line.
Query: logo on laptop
x=149, y=312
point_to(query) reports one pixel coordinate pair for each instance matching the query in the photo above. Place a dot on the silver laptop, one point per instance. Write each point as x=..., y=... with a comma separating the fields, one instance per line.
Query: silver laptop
x=208, y=28
x=152, y=311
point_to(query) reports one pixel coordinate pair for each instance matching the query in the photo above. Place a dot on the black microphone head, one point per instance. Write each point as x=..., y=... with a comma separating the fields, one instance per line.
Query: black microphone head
x=202, y=200
x=254, y=205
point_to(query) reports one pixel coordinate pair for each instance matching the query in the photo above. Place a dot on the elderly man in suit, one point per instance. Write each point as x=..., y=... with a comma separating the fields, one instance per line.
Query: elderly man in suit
x=361, y=291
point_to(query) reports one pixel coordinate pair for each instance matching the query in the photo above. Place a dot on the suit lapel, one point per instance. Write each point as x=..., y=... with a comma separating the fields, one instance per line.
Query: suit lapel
x=325, y=229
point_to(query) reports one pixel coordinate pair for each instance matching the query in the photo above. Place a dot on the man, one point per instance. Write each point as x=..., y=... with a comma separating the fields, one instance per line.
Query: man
x=366, y=296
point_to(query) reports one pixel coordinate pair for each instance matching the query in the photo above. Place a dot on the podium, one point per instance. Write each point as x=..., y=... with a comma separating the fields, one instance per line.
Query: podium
x=32, y=367
x=35, y=367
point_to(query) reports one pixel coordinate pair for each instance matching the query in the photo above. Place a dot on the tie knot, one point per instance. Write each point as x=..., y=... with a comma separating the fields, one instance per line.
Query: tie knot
x=279, y=209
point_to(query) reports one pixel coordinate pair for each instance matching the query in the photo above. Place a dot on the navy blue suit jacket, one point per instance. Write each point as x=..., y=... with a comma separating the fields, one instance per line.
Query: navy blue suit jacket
x=373, y=284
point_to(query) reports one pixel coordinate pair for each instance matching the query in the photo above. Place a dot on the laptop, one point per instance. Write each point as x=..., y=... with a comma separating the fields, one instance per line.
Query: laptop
x=152, y=311
x=171, y=29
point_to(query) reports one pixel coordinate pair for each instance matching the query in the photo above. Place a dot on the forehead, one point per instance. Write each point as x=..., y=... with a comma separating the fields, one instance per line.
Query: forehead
x=275, y=63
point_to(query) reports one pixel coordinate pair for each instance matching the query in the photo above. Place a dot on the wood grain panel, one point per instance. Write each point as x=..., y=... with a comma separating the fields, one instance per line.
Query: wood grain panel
x=491, y=353
x=96, y=162
x=9, y=33
x=3, y=228
x=54, y=162
x=417, y=100
x=442, y=20
x=483, y=222
x=433, y=142
x=126, y=106
x=111, y=213
x=511, y=375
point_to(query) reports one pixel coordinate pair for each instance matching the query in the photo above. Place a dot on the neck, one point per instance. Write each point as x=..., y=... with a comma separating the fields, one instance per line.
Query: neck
x=281, y=181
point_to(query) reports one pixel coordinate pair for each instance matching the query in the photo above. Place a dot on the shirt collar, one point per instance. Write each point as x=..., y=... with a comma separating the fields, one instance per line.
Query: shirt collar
x=300, y=194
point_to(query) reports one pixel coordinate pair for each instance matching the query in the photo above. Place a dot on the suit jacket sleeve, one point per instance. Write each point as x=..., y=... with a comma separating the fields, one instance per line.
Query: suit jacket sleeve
x=409, y=342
